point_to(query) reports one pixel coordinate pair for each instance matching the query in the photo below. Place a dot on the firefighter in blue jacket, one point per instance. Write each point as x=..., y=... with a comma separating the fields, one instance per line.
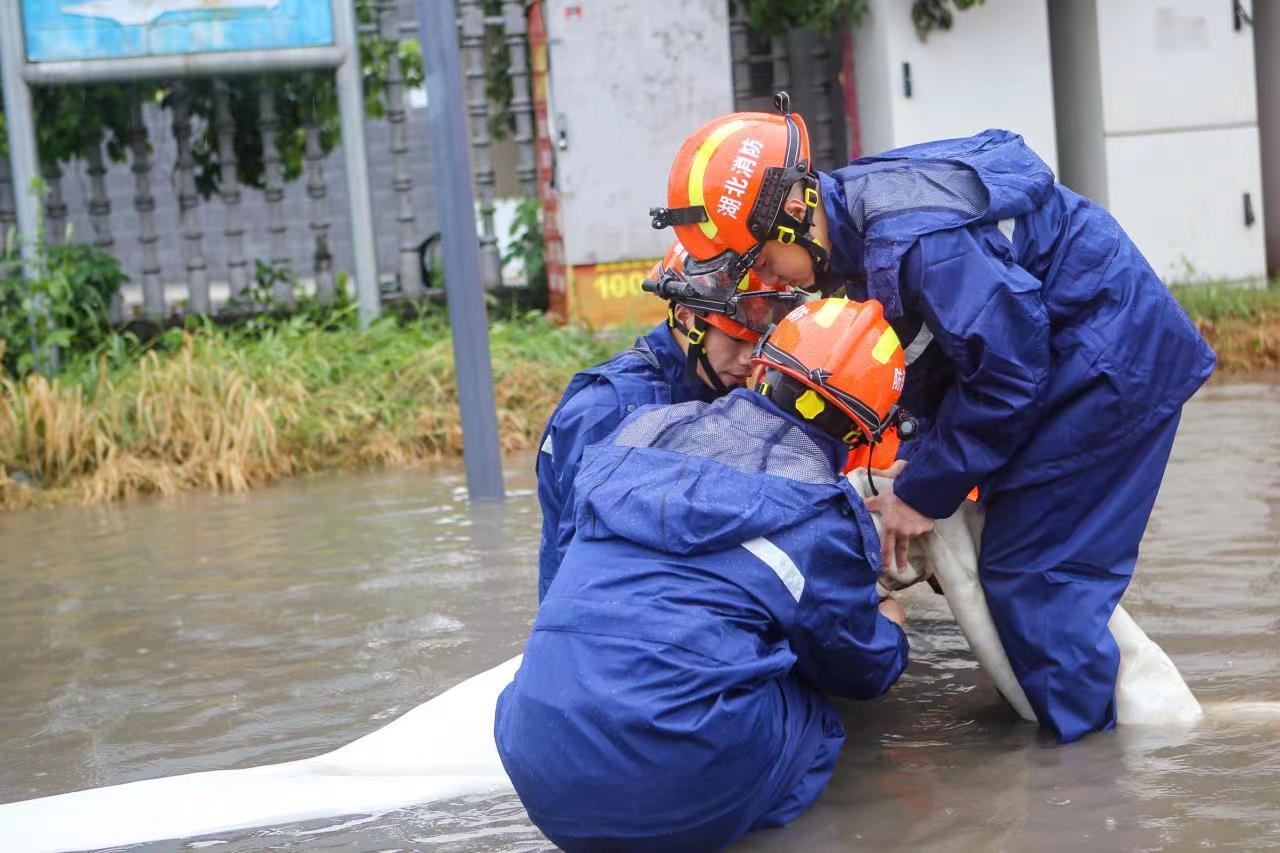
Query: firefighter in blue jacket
x=721, y=581
x=702, y=351
x=1047, y=361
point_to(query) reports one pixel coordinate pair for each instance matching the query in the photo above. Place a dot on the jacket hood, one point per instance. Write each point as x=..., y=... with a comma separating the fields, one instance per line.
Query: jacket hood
x=695, y=478
x=878, y=207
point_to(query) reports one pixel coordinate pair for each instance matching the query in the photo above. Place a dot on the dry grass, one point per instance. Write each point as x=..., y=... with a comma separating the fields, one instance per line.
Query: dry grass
x=226, y=411
x=1241, y=324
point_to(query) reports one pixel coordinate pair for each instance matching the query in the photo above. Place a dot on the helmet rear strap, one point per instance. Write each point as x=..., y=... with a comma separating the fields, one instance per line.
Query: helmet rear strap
x=785, y=391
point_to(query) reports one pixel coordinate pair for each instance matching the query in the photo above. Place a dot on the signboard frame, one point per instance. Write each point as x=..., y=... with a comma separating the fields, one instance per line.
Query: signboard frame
x=19, y=75
x=77, y=30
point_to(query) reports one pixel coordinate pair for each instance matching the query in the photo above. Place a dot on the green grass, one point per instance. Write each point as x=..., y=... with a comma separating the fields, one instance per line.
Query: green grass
x=1241, y=324
x=225, y=409
x=1215, y=302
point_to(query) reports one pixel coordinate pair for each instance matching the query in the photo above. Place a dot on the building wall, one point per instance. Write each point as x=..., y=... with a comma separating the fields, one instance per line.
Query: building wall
x=1158, y=121
x=629, y=81
x=874, y=72
x=992, y=69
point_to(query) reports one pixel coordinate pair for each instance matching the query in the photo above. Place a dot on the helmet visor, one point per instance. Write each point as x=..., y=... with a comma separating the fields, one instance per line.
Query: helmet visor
x=761, y=310
x=715, y=285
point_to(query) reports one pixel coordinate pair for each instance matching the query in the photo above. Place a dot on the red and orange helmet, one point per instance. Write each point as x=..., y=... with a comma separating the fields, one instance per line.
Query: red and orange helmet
x=743, y=309
x=728, y=186
x=839, y=364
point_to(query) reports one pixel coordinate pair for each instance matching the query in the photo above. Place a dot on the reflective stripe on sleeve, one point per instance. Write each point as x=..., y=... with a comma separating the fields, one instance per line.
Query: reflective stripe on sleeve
x=775, y=558
x=918, y=344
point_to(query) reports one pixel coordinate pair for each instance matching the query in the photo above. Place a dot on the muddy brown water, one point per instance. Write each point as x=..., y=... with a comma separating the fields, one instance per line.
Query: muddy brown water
x=210, y=632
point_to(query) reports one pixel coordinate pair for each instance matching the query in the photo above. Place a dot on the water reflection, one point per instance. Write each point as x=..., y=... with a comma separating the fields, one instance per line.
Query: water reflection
x=210, y=632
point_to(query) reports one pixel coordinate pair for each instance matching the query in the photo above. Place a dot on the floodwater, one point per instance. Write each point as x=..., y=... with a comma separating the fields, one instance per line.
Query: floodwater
x=211, y=632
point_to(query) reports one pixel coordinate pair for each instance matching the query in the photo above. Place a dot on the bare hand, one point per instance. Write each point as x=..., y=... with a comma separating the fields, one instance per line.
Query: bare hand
x=900, y=523
x=892, y=471
x=892, y=610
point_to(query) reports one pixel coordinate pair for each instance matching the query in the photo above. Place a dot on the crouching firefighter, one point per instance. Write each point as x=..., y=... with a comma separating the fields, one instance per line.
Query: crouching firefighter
x=1048, y=362
x=720, y=583
x=702, y=351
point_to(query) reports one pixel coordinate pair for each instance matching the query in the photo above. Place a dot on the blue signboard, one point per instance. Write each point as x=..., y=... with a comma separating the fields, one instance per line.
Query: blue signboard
x=110, y=29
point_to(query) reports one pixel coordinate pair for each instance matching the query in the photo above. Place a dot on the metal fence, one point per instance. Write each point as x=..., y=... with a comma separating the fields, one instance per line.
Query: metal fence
x=188, y=252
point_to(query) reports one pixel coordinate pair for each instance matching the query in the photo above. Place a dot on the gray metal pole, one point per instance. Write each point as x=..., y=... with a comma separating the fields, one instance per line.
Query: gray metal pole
x=20, y=123
x=351, y=113
x=463, y=286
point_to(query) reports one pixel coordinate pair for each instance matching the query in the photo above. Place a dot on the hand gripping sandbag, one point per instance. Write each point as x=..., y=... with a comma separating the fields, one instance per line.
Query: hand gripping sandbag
x=1149, y=688
x=442, y=749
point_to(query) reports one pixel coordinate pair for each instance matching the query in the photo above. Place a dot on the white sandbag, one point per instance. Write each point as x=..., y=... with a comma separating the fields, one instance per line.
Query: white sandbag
x=442, y=749
x=1149, y=688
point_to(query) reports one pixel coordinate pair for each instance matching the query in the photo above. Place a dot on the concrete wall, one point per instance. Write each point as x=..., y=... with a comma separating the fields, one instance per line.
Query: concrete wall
x=1176, y=64
x=1158, y=121
x=992, y=69
x=253, y=209
x=876, y=71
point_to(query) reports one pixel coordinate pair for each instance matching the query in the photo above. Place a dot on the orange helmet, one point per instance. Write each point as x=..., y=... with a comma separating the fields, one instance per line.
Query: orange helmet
x=729, y=184
x=839, y=364
x=744, y=309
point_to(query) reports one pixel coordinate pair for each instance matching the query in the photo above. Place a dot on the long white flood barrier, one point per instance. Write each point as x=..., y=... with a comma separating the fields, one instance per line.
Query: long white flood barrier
x=444, y=748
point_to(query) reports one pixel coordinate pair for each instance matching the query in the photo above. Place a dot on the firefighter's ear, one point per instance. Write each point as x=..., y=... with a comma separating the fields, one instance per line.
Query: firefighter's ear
x=794, y=206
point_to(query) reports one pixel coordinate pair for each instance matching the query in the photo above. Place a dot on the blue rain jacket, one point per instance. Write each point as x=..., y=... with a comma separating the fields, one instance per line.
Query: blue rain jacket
x=596, y=401
x=1043, y=348
x=721, y=581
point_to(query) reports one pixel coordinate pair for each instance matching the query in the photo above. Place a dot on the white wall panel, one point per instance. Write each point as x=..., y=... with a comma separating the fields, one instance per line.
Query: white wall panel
x=991, y=70
x=1180, y=196
x=1174, y=64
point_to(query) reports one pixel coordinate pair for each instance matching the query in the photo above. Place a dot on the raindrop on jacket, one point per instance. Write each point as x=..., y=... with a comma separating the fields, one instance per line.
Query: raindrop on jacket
x=721, y=581
x=1049, y=364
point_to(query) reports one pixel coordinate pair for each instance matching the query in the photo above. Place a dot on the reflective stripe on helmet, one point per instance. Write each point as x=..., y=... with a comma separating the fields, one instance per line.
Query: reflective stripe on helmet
x=828, y=313
x=699, y=169
x=885, y=346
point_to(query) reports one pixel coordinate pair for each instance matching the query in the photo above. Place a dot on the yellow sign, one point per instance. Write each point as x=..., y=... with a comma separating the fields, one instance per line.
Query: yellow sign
x=603, y=295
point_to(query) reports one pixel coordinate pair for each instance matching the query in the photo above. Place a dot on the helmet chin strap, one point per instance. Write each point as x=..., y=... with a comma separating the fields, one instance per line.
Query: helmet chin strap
x=789, y=229
x=696, y=353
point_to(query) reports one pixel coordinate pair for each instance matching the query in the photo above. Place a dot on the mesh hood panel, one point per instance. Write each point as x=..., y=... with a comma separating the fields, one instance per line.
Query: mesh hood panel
x=735, y=433
x=940, y=186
